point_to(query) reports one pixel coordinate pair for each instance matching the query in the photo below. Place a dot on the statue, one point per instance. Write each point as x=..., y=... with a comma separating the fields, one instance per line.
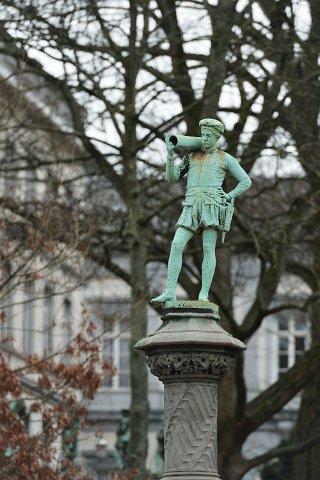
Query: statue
x=123, y=437
x=207, y=209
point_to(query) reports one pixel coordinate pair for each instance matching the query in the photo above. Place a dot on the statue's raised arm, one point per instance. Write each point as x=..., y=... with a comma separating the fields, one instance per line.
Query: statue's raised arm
x=175, y=172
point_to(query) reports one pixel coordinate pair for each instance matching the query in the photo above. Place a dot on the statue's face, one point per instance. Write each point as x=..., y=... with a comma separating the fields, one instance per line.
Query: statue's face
x=208, y=137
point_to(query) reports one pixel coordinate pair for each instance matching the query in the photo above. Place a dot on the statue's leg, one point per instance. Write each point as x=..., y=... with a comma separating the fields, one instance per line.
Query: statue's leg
x=209, y=240
x=180, y=240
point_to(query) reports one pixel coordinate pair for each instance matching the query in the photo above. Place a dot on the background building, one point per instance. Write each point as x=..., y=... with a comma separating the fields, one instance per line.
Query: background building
x=86, y=97
x=43, y=314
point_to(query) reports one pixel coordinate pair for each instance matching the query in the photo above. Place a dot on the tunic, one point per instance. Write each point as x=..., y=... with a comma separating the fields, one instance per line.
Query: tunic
x=204, y=206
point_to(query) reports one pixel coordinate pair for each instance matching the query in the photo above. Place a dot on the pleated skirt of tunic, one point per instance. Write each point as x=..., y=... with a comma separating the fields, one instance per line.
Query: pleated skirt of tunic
x=205, y=208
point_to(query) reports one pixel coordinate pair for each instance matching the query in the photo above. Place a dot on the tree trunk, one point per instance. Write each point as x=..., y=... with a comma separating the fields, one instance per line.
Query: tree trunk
x=306, y=466
x=139, y=295
x=233, y=469
x=139, y=394
x=138, y=444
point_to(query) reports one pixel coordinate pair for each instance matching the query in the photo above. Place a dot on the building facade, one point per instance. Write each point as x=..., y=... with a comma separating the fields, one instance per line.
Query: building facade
x=43, y=313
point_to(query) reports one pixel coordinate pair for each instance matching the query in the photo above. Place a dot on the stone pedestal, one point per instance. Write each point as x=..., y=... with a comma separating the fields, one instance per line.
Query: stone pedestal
x=190, y=353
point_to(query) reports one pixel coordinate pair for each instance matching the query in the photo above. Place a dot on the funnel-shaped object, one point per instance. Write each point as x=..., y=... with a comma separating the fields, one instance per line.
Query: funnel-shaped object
x=186, y=142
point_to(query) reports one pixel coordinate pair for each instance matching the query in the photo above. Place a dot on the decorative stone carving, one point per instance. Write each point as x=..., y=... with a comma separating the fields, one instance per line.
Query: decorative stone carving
x=190, y=427
x=216, y=365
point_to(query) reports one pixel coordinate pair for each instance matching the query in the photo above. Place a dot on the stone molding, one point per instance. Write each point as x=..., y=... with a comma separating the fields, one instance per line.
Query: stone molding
x=215, y=365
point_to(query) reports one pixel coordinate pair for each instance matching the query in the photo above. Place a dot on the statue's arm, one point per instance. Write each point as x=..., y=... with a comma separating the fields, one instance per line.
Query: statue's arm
x=237, y=171
x=175, y=172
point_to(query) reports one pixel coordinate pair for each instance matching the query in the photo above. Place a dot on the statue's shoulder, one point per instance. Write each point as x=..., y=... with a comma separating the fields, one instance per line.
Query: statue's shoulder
x=222, y=157
x=227, y=158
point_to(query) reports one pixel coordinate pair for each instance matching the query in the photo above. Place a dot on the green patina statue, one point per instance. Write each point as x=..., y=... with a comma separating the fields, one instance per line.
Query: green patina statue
x=206, y=208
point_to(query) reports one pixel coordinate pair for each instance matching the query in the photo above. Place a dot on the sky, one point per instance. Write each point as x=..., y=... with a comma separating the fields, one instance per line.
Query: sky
x=101, y=128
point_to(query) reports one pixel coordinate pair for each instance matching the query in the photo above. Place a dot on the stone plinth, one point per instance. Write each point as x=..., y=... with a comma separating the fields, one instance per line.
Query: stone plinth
x=190, y=353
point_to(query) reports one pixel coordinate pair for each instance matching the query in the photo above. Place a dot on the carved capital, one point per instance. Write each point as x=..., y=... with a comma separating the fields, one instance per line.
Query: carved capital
x=215, y=365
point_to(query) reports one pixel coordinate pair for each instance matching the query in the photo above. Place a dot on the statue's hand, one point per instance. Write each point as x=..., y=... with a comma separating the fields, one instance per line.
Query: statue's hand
x=223, y=194
x=169, y=145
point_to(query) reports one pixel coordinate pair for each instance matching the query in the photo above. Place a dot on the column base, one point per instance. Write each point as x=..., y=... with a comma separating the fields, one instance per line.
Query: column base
x=190, y=476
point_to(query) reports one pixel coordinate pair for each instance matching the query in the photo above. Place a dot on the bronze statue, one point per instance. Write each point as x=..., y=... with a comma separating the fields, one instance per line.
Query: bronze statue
x=207, y=209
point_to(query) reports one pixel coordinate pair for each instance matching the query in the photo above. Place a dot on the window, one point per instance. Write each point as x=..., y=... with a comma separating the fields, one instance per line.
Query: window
x=30, y=185
x=28, y=321
x=47, y=320
x=10, y=176
x=67, y=327
x=6, y=309
x=114, y=320
x=292, y=340
x=124, y=362
x=108, y=356
x=67, y=321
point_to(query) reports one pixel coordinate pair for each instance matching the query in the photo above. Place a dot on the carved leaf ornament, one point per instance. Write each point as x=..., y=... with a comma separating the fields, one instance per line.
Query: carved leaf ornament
x=217, y=365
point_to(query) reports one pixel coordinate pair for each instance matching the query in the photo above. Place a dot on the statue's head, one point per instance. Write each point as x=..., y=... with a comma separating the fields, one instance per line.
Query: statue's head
x=211, y=131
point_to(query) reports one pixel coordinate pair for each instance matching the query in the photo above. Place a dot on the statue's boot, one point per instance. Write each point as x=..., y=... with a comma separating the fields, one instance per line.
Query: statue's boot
x=203, y=297
x=165, y=297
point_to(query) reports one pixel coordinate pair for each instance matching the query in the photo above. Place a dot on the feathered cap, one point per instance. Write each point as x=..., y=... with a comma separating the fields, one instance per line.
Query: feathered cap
x=215, y=125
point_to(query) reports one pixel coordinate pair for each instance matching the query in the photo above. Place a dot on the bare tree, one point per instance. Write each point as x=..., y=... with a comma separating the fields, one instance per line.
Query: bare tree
x=118, y=77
